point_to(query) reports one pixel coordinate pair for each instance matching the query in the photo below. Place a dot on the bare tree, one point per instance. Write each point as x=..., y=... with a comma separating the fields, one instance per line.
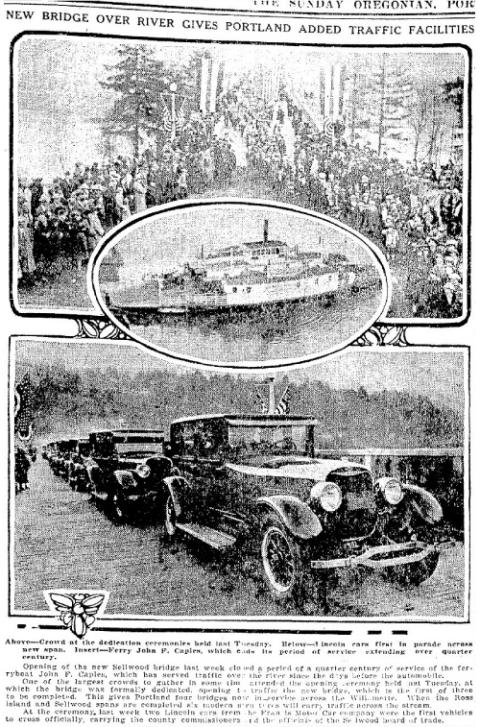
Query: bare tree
x=419, y=109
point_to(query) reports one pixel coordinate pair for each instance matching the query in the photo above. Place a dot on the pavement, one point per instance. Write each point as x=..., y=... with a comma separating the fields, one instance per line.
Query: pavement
x=61, y=540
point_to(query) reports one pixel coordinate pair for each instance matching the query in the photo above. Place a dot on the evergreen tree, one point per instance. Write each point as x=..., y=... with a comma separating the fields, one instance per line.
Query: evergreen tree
x=453, y=94
x=131, y=79
x=149, y=94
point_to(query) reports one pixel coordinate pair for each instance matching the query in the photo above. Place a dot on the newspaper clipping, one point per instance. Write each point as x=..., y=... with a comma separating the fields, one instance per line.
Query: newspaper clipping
x=238, y=344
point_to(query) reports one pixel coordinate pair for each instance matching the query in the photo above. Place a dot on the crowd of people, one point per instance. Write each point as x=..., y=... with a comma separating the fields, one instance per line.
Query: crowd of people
x=413, y=213
x=60, y=223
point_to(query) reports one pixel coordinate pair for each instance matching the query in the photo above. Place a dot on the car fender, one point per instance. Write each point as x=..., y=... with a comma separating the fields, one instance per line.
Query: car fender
x=175, y=486
x=427, y=505
x=296, y=515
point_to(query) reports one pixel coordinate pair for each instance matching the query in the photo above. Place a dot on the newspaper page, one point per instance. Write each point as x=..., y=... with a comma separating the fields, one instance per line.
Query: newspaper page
x=239, y=331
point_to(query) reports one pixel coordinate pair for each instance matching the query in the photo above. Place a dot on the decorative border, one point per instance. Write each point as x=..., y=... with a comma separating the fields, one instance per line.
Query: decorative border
x=467, y=167
x=77, y=611
x=121, y=231
x=61, y=615
x=100, y=328
x=380, y=334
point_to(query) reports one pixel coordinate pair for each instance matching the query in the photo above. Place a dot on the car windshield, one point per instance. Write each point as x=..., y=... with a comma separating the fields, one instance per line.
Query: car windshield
x=268, y=437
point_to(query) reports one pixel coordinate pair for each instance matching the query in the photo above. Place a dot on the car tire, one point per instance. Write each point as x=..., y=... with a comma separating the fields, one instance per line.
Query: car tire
x=169, y=518
x=282, y=563
x=414, y=574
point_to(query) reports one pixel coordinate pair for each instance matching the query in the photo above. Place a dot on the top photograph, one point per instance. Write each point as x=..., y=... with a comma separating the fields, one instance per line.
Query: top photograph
x=375, y=138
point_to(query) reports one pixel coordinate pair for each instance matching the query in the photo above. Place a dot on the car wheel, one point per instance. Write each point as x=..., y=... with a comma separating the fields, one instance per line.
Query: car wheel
x=281, y=559
x=170, y=518
x=413, y=574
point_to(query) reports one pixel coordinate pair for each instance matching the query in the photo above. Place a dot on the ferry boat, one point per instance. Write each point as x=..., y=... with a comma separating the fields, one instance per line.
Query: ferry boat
x=245, y=275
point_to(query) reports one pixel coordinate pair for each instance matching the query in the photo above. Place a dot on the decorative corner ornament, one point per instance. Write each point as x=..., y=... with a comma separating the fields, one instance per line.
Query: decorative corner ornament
x=78, y=611
x=99, y=328
x=381, y=334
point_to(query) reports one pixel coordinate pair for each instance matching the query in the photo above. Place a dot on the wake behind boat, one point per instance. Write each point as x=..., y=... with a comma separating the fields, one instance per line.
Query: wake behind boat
x=242, y=276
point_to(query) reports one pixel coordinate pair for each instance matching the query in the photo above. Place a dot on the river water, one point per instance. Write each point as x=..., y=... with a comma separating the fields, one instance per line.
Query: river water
x=295, y=331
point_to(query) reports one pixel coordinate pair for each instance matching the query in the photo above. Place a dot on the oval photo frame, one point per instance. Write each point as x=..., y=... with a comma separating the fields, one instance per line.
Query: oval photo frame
x=352, y=278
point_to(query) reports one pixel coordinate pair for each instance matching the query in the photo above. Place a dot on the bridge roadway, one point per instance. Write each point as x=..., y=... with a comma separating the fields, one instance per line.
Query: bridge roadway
x=61, y=540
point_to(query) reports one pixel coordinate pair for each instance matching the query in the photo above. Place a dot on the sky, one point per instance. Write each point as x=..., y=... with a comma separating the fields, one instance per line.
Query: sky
x=438, y=374
x=60, y=101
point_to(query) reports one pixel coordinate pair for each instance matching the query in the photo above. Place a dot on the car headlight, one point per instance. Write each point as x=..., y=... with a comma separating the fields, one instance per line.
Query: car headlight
x=392, y=490
x=143, y=470
x=328, y=494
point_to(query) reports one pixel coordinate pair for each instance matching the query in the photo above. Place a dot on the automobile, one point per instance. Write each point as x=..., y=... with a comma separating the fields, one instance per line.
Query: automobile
x=48, y=450
x=253, y=480
x=61, y=450
x=65, y=457
x=76, y=465
x=126, y=470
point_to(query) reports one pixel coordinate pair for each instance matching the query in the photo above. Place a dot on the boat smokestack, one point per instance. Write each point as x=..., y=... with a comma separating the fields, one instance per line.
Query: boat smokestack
x=265, y=231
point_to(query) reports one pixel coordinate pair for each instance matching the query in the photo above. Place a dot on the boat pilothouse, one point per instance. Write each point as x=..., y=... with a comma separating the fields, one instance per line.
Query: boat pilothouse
x=272, y=258
x=245, y=275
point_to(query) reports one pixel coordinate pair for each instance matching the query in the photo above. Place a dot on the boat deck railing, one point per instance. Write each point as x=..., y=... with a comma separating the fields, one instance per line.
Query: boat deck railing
x=188, y=299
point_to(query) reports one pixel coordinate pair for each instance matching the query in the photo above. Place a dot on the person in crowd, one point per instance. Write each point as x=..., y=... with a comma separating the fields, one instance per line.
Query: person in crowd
x=22, y=465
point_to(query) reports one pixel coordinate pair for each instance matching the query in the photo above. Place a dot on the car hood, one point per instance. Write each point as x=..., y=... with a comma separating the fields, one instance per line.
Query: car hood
x=317, y=470
x=134, y=459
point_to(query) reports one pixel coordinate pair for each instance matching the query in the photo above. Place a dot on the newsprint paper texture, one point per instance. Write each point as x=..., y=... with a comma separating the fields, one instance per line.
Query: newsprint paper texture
x=238, y=351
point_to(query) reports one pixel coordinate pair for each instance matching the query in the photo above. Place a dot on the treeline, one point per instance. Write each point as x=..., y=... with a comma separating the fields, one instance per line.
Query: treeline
x=65, y=403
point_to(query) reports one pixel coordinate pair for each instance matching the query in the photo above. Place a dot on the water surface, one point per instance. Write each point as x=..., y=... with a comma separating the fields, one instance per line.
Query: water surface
x=290, y=331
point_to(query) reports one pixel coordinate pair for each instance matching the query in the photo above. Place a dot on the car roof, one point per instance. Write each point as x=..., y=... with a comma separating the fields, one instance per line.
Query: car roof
x=247, y=417
x=147, y=432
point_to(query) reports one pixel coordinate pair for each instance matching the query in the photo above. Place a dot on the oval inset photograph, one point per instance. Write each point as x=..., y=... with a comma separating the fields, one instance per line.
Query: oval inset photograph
x=243, y=284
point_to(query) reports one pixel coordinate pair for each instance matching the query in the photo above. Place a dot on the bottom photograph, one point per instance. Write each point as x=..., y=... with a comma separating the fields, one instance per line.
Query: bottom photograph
x=333, y=491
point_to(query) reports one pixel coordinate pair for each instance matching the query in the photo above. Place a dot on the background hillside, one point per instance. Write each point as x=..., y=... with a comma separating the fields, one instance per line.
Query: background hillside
x=66, y=402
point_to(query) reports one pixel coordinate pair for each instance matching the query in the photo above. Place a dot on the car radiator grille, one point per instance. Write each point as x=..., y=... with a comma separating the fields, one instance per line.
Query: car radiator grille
x=357, y=514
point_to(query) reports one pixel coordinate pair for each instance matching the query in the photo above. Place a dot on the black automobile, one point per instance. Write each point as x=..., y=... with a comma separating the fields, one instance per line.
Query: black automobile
x=254, y=480
x=48, y=450
x=60, y=456
x=77, y=463
x=126, y=471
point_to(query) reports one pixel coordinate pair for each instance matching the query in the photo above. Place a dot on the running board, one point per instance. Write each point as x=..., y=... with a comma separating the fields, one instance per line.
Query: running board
x=214, y=538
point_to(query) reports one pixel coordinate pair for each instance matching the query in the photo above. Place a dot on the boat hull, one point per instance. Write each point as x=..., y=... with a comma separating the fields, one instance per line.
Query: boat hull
x=232, y=297
x=154, y=299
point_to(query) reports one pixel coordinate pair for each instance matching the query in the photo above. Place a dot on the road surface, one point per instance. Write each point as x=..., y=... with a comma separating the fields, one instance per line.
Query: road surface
x=61, y=540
